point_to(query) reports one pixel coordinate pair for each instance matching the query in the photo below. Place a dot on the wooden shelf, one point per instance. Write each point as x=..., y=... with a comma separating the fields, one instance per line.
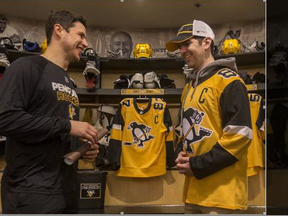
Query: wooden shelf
x=170, y=95
x=242, y=59
x=141, y=64
x=14, y=55
x=245, y=59
x=114, y=96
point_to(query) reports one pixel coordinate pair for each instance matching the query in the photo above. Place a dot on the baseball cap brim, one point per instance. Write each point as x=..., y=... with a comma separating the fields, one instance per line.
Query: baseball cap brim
x=174, y=43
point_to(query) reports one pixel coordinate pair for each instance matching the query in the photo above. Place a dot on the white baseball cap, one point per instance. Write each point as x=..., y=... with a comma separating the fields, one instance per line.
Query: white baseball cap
x=187, y=31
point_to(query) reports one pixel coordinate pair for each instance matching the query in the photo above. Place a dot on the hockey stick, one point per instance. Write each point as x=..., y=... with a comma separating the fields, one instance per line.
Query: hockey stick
x=128, y=143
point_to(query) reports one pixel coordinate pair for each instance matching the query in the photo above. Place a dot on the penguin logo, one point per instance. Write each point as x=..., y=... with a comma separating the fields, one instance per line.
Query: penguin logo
x=193, y=117
x=140, y=133
x=90, y=193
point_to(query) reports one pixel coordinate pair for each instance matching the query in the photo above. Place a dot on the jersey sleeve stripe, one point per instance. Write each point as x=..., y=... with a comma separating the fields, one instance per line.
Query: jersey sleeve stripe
x=117, y=127
x=263, y=127
x=237, y=129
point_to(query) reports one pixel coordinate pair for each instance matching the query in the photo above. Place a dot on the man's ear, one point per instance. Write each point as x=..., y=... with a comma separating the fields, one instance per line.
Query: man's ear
x=58, y=29
x=207, y=42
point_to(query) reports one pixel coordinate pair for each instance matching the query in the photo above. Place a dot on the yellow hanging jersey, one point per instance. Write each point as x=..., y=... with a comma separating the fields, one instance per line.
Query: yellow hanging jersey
x=255, y=150
x=141, y=142
x=216, y=135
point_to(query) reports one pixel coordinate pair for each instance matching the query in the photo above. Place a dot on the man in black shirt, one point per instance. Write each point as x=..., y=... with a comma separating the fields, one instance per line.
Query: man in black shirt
x=39, y=113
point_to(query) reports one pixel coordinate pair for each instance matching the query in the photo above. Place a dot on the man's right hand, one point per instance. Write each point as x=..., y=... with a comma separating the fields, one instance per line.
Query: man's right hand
x=84, y=130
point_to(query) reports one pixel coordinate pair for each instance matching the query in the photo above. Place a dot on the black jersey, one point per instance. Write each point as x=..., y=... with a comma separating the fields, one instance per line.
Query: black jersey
x=37, y=99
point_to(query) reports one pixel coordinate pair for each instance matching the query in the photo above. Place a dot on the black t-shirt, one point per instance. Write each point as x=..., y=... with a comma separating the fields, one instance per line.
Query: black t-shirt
x=37, y=100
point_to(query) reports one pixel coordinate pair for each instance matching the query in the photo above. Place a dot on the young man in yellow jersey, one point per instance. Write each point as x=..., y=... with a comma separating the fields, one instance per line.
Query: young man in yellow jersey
x=216, y=126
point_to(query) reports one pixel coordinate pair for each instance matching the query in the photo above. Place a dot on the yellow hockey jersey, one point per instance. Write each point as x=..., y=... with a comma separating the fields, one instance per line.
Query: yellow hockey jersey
x=141, y=141
x=255, y=150
x=216, y=135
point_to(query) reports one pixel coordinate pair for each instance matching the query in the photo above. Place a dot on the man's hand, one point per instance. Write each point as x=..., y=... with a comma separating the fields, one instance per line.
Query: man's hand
x=92, y=153
x=84, y=130
x=183, y=164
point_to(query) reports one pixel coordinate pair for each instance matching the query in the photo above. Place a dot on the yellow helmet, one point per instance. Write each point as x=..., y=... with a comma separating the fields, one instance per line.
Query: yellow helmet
x=44, y=46
x=142, y=51
x=231, y=46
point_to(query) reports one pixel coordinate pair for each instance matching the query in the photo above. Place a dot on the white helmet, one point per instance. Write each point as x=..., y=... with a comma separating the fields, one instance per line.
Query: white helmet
x=137, y=81
x=105, y=139
x=151, y=80
x=107, y=109
x=105, y=120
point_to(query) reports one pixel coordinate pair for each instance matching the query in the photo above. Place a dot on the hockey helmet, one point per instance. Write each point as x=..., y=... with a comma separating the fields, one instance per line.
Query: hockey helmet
x=257, y=46
x=245, y=77
x=122, y=83
x=7, y=42
x=107, y=109
x=105, y=120
x=102, y=122
x=231, y=46
x=142, y=51
x=151, y=80
x=259, y=78
x=91, y=65
x=30, y=46
x=137, y=81
x=166, y=82
x=44, y=46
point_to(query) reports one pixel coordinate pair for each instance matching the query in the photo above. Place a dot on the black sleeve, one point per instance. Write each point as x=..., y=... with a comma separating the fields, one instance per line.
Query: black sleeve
x=234, y=103
x=170, y=154
x=261, y=115
x=235, y=114
x=211, y=162
x=16, y=93
x=114, y=154
x=115, y=143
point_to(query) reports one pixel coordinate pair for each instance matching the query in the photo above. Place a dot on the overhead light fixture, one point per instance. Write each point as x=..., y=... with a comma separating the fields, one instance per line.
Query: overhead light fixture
x=121, y=1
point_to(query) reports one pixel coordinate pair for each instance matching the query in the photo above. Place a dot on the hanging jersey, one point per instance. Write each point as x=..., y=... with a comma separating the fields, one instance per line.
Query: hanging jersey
x=178, y=128
x=141, y=139
x=255, y=150
x=216, y=134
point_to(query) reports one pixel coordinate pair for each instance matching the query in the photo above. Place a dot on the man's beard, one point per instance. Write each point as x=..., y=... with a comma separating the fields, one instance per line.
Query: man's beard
x=70, y=51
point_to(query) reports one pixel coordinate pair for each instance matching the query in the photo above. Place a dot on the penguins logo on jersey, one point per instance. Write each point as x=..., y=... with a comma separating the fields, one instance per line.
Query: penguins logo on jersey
x=140, y=133
x=191, y=118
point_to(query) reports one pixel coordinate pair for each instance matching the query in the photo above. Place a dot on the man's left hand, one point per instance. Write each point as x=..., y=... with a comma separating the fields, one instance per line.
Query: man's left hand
x=183, y=164
x=92, y=153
